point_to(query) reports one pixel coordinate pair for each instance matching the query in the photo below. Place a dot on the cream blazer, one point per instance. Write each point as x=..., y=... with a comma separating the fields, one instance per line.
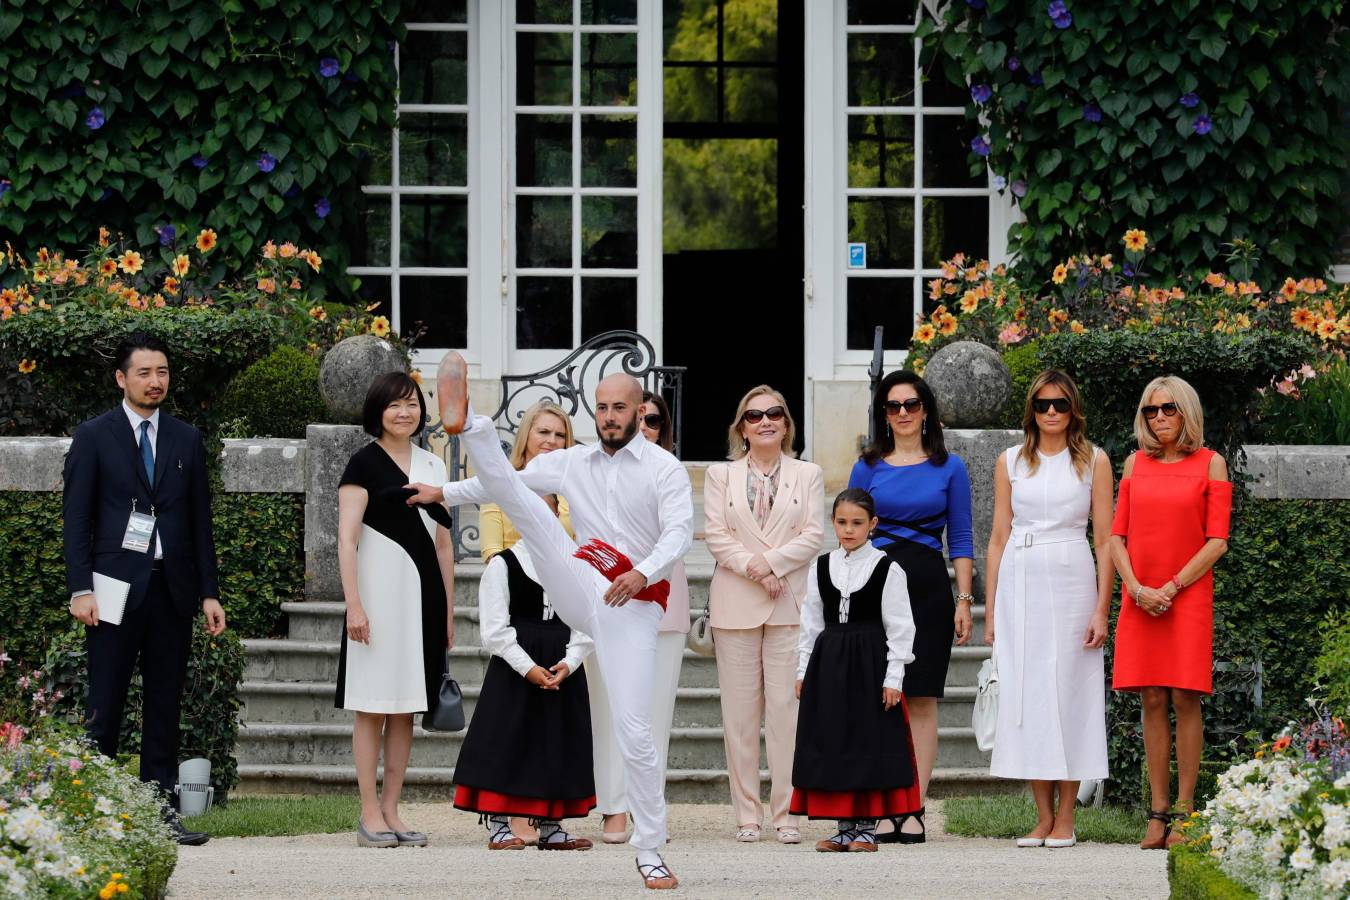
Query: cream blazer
x=789, y=541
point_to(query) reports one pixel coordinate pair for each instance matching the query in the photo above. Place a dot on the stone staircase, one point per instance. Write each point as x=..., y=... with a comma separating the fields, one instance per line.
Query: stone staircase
x=292, y=739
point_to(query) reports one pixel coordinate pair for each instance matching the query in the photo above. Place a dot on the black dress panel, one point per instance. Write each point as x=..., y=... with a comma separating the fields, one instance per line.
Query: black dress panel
x=934, y=610
x=846, y=739
x=522, y=741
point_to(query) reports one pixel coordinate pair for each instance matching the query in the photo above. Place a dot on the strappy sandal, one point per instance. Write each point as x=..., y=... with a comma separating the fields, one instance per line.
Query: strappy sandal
x=656, y=876
x=1167, y=818
x=900, y=837
x=500, y=836
x=839, y=843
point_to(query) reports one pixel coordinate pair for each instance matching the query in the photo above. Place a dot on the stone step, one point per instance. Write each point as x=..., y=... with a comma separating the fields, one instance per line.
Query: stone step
x=682, y=785
x=330, y=744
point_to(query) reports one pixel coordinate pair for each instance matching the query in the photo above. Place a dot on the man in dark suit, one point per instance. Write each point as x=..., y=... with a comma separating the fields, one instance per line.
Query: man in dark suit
x=128, y=464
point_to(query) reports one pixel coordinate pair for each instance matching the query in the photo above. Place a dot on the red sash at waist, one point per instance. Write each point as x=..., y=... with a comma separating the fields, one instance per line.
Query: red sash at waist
x=611, y=563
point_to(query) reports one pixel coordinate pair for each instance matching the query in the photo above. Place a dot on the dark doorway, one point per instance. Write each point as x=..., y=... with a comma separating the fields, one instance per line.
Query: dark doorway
x=732, y=221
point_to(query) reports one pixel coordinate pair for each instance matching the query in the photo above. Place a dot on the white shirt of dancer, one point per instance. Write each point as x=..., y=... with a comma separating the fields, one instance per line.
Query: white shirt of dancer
x=849, y=572
x=494, y=611
x=608, y=496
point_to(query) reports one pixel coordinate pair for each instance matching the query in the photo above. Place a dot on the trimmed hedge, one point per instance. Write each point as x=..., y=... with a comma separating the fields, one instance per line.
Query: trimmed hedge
x=260, y=540
x=277, y=396
x=1194, y=875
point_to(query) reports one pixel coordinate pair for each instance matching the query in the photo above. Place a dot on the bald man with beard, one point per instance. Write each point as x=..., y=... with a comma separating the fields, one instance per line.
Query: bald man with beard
x=632, y=510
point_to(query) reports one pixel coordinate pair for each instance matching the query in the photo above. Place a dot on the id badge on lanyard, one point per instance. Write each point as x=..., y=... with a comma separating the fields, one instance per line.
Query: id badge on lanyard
x=140, y=530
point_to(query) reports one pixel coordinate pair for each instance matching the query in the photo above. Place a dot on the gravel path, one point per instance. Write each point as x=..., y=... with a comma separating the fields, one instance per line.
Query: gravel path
x=708, y=862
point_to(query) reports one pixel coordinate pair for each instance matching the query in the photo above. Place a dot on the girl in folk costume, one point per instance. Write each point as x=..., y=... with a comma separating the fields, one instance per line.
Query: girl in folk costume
x=855, y=757
x=528, y=749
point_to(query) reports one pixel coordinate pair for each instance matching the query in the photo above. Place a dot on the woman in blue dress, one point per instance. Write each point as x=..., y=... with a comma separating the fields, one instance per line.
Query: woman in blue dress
x=921, y=491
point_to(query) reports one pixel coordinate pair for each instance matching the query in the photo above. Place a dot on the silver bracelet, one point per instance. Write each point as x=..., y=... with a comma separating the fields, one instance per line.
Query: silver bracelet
x=965, y=598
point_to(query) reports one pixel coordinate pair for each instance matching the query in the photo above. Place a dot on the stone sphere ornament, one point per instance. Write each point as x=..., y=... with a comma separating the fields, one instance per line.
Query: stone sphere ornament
x=347, y=370
x=971, y=382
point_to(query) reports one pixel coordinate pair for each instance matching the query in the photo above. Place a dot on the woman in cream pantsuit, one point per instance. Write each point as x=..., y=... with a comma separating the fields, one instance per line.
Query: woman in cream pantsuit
x=765, y=526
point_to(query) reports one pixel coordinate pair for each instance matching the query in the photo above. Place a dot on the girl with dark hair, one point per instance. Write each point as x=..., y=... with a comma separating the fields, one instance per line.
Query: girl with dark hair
x=921, y=491
x=854, y=759
x=398, y=566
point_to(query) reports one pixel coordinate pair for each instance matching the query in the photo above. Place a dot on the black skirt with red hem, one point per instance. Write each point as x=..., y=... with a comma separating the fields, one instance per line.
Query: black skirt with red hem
x=855, y=804
x=495, y=804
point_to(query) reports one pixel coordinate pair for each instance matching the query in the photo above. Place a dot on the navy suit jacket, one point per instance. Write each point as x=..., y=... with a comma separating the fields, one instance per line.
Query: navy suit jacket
x=104, y=474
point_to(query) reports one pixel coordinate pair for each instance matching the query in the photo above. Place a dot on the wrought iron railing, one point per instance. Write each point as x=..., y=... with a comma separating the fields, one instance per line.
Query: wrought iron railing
x=570, y=383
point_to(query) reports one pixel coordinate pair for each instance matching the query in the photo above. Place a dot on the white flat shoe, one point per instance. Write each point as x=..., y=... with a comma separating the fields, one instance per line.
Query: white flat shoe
x=1030, y=842
x=1061, y=843
x=747, y=835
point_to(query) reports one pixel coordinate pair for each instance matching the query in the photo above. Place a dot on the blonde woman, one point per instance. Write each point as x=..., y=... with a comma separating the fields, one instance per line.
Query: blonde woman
x=765, y=526
x=1047, y=601
x=545, y=427
x=1171, y=527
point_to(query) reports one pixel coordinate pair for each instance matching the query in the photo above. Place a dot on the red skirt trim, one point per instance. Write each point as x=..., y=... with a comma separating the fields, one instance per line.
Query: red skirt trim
x=855, y=804
x=493, y=803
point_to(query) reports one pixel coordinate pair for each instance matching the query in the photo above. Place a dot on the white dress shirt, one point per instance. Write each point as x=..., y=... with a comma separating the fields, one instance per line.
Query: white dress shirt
x=136, y=419
x=494, y=617
x=610, y=499
x=849, y=571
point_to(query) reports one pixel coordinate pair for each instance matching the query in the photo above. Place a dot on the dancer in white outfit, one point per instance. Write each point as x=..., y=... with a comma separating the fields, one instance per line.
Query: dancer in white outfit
x=635, y=498
x=1047, y=603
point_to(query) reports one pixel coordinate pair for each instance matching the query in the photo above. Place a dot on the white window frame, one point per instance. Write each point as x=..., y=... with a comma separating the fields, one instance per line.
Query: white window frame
x=395, y=191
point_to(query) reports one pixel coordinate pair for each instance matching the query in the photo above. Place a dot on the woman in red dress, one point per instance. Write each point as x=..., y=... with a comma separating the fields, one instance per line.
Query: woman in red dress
x=1171, y=526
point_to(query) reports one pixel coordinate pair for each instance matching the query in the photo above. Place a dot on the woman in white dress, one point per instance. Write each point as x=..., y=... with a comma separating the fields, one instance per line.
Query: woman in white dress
x=398, y=570
x=1047, y=603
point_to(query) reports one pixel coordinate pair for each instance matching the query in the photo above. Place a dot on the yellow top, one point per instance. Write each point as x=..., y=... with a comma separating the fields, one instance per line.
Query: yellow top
x=496, y=533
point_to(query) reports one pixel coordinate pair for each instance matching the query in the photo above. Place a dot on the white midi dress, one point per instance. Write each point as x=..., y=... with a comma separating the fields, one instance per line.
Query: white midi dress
x=1052, y=689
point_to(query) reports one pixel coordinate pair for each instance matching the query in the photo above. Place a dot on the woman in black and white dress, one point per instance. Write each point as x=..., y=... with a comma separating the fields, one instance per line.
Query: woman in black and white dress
x=528, y=750
x=398, y=571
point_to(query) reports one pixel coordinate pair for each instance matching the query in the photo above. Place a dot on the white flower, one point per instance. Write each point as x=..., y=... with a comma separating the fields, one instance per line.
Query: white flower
x=42, y=791
x=1272, y=851
x=1301, y=859
x=1336, y=875
x=1336, y=830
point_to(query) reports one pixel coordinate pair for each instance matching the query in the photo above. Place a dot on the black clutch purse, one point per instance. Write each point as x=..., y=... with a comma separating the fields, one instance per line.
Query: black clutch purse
x=447, y=714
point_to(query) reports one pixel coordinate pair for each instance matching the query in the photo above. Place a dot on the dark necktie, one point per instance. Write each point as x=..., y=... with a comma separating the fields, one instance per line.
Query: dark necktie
x=147, y=452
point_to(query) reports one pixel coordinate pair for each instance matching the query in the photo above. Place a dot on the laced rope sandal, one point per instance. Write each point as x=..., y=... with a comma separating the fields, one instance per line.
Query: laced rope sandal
x=552, y=837
x=656, y=876
x=864, y=840
x=1166, y=818
x=839, y=842
x=500, y=836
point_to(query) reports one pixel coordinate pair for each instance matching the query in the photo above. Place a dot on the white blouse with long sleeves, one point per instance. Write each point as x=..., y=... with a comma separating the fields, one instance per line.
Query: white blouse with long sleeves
x=849, y=571
x=494, y=618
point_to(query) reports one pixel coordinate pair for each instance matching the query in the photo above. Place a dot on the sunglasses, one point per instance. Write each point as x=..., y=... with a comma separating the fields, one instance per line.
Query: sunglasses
x=893, y=407
x=654, y=421
x=754, y=416
x=1167, y=409
x=1058, y=404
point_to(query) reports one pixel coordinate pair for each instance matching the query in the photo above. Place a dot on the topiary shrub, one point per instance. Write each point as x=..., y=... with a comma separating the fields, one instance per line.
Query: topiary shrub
x=1024, y=364
x=277, y=396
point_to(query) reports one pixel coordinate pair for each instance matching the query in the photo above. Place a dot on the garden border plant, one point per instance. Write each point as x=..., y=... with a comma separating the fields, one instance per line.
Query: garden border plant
x=1210, y=120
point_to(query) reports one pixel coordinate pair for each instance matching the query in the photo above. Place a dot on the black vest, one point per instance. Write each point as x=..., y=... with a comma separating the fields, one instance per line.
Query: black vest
x=527, y=596
x=864, y=604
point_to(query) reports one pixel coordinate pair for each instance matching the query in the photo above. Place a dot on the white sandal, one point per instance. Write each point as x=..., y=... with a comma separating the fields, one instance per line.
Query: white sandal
x=747, y=834
x=789, y=836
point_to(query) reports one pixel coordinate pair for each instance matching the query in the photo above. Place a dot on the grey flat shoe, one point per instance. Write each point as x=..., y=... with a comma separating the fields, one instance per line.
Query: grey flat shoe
x=366, y=838
x=411, y=838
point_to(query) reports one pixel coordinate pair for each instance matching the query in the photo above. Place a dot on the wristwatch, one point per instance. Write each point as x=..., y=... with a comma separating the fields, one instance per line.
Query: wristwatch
x=965, y=598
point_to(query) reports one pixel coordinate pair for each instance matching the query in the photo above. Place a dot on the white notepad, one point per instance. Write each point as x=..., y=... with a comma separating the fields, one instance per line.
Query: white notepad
x=111, y=596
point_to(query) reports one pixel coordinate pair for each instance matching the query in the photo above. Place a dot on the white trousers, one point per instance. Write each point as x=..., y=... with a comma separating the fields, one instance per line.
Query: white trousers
x=625, y=636
x=609, y=765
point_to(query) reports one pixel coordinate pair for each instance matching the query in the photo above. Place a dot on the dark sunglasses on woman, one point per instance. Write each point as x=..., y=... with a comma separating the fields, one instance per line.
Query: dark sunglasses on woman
x=653, y=421
x=753, y=416
x=1059, y=404
x=893, y=407
x=1167, y=409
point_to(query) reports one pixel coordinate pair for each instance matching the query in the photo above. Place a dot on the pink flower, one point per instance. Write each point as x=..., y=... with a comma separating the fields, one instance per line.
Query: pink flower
x=1307, y=371
x=75, y=765
x=1287, y=388
x=1011, y=334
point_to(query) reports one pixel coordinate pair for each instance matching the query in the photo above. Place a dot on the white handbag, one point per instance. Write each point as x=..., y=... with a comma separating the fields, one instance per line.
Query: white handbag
x=984, y=718
x=700, y=639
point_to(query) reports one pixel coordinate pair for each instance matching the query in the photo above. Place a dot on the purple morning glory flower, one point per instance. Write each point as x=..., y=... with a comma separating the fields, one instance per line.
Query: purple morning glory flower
x=199, y=161
x=5, y=185
x=95, y=119
x=1091, y=112
x=322, y=208
x=1190, y=100
x=267, y=162
x=1035, y=79
x=1128, y=271
x=292, y=191
x=979, y=145
x=1019, y=188
x=1056, y=9
x=1203, y=124
x=328, y=67
x=1014, y=64
x=1000, y=182
x=981, y=93
x=1063, y=21
x=166, y=233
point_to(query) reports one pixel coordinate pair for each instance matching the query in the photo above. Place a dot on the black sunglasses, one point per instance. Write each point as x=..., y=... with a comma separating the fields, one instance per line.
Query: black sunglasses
x=1167, y=409
x=654, y=421
x=1059, y=404
x=893, y=407
x=753, y=416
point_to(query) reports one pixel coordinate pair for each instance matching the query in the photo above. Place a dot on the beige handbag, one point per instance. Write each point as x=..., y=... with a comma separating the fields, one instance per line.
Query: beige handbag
x=700, y=638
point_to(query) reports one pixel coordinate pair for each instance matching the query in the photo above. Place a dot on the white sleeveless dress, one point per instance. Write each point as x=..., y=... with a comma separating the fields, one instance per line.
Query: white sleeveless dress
x=1052, y=690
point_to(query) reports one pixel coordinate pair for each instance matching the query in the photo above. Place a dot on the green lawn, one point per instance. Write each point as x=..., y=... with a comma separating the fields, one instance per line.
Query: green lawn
x=277, y=816
x=1012, y=817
